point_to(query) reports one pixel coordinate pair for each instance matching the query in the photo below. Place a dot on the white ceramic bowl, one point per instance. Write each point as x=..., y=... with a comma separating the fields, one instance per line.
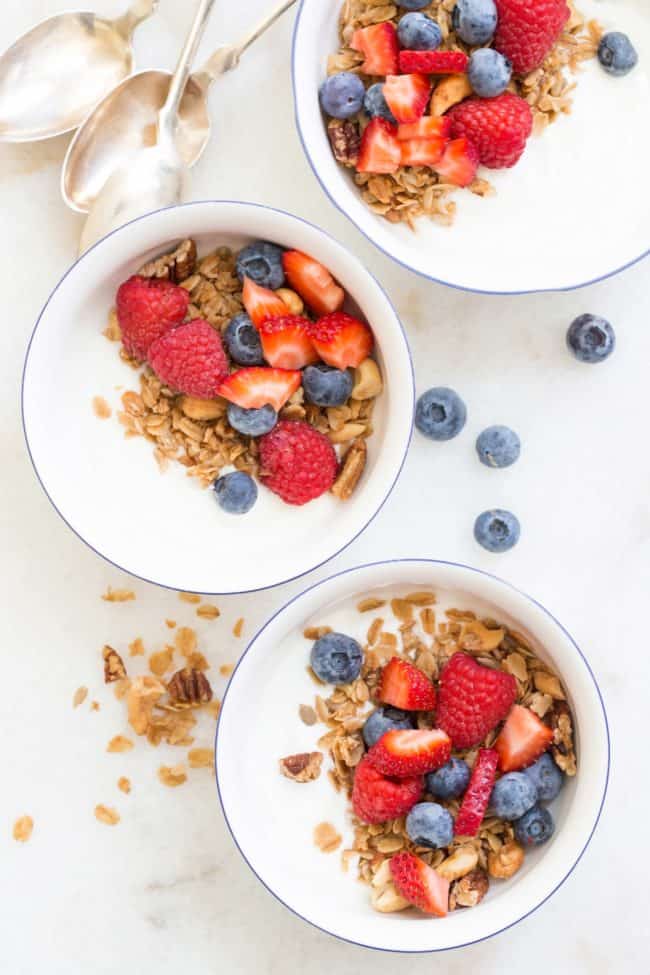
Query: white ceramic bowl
x=573, y=211
x=259, y=724
x=109, y=490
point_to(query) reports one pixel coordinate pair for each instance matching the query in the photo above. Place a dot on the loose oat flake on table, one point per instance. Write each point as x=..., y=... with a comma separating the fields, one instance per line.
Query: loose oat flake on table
x=449, y=738
x=415, y=102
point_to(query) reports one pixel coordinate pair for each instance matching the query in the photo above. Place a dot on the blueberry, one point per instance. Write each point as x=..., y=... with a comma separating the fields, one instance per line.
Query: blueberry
x=376, y=106
x=546, y=777
x=591, y=338
x=341, y=95
x=449, y=781
x=498, y=447
x=513, y=795
x=252, y=423
x=383, y=720
x=243, y=341
x=327, y=386
x=440, y=413
x=429, y=824
x=336, y=658
x=417, y=32
x=535, y=827
x=413, y=4
x=475, y=21
x=236, y=492
x=617, y=54
x=488, y=72
x=497, y=530
x=262, y=263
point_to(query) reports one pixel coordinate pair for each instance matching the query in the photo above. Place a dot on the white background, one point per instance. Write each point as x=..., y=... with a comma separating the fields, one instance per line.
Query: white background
x=165, y=890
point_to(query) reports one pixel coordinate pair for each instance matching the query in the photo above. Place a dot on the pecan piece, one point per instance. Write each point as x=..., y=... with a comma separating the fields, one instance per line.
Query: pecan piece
x=345, y=139
x=114, y=668
x=189, y=688
x=352, y=468
x=176, y=266
x=304, y=767
x=469, y=890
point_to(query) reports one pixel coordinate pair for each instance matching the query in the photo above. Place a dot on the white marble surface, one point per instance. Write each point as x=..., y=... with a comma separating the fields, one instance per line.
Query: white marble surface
x=166, y=890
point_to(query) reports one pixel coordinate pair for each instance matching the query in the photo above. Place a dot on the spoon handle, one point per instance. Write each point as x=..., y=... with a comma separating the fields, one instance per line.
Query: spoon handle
x=226, y=58
x=138, y=11
x=168, y=117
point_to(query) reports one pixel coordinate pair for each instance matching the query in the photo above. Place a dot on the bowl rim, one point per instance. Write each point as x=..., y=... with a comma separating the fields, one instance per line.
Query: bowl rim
x=409, y=267
x=248, y=205
x=518, y=592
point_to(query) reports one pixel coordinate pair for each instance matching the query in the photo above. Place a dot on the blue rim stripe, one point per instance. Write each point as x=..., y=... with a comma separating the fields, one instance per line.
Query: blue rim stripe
x=431, y=562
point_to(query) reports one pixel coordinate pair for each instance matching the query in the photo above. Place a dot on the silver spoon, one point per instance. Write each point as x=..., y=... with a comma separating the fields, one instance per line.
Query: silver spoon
x=154, y=176
x=59, y=70
x=126, y=120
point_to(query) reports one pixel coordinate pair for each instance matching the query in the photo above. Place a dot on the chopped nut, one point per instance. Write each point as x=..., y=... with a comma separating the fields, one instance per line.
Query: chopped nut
x=161, y=661
x=448, y=92
x=326, y=838
x=200, y=758
x=345, y=140
x=101, y=409
x=201, y=409
x=172, y=776
x=119, y=744
x=349, y=431
x=387, y=900
x=307, y=715
x=107, y=815
x=461, y=862
x=293, y=301
x=190, y=688
x=238, y=627
x=23, y=828
x=368, y=383
x=114, y=668
x=352, y=468
x=141, y=697
x=303, y=767
x=505, y=862
x=118, y=595
x=175, y=267
x=469, y=890
x=124, y=784
x=79, y=697
x=208, y=611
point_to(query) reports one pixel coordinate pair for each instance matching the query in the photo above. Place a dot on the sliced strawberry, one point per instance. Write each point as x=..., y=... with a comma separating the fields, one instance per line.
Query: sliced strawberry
x=407, y=95
x=379, y=151
x=286, y=343
x=433, y=62
x=376, y=798
x=422, y=152
x=522, y=739
x=459, y=162
x=341, y=340
x=477, y=795
x=427, y=127
x=261, y=303
x=404, y=753
x=256, y=387
x=406, y=687
x=380, y=46
x=313, y=282
x=420, y=884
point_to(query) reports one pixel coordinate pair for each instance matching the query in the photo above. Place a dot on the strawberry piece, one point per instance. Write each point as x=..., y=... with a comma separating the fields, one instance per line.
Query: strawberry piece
x=498, y=127
x=261, y=303
x=380, y=46
x=472, y=699
x=477, y=795
x=459, y=162
x=379, y=151
x=191, y=359
x=376, y=798
x=407, y=95
x=522, y=739
x=297, y=462
x=403, y=753
x=427, y=127
x=527, y=31
x=313, y=282
x=146, y=309
x=433, y=62
x=405, y=686
x=422, y=152
x=286, y=343
x=341, y=340
x=256, y=387
x=420, y=884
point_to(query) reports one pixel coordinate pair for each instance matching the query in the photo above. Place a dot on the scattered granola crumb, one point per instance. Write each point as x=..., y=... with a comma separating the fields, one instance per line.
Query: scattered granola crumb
x=101, y=409
x=23, y=828
x=114, y=668
x=200, y=758
x=214, y=708
x=186, y=640
x=121, y=687
x=208, y=611
x=226, y=669
x=118, y=595
x=238, y=627
x=113, y=332
x=316, y=632
x=142, y=695
x=172, y=776
x=79, y=696
x=119, y=744
x=107, y=815
x=95, y=705
x=170, y=624
x=303, y=767
x=307, y=714
x=197, y=661
x=160, y=662
x=124, y=784
x=189, y=597
x=136, y=648
x=326, y=838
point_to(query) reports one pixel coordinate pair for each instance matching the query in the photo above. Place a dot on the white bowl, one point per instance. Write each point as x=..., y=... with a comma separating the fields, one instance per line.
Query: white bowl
x=109, y=490
x=573, y=211
x=259, y=724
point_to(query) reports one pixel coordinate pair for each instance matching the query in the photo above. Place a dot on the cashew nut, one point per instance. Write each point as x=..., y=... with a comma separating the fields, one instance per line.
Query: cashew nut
x=293, y=301
x=506, y=861
x=461, y=862
x=367, y=380
x=386, y=900
x=347, y=432
x=449, y=92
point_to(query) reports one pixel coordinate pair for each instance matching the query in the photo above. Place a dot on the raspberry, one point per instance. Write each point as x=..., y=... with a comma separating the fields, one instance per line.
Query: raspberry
x=498, y=127
x=146, y=309
x=298, y=463
x=527, y=31
x=472, y=700
x=376, y=799
x=190, y=359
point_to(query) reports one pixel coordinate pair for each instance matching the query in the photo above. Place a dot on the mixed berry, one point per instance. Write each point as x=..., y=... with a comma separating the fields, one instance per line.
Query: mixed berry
x=292, y=355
